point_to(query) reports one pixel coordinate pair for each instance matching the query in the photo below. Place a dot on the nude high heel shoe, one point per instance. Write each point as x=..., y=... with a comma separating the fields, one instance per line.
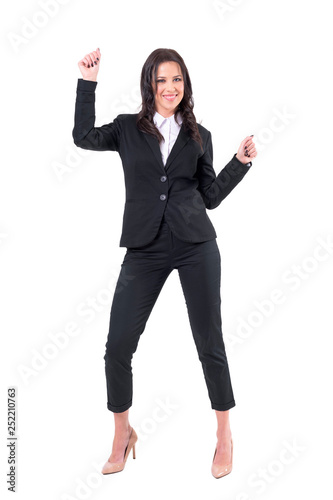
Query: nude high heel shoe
x=111, y=468
x=222, y=470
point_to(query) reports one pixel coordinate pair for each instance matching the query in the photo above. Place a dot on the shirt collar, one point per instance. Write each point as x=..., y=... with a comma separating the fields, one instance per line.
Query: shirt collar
x=159, y=119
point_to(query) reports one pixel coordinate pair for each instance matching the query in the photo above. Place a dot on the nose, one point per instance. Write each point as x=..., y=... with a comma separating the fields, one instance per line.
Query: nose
x=171, y=88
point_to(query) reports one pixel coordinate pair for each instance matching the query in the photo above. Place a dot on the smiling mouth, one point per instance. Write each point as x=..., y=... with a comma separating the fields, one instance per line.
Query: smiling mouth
x=170, y=97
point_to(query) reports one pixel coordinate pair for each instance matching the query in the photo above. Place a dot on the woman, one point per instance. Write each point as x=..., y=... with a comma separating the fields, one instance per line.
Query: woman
x=170, y=181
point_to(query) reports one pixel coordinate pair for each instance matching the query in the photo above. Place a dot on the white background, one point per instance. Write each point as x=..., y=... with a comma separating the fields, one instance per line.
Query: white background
x=251, y=62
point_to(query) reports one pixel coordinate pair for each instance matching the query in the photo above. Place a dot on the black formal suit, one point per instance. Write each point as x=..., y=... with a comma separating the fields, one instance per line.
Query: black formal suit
x=165, y=227
x=181, y=191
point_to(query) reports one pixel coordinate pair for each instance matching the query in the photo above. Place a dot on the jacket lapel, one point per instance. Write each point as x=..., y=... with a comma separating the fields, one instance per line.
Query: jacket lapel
x=180, y=142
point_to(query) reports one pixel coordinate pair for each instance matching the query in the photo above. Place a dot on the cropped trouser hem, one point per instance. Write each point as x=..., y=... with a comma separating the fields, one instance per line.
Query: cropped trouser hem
x=224, y=407
x=119, y=409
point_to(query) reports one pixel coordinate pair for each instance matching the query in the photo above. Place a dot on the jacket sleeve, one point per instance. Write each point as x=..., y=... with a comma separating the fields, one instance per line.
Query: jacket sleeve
x=85, y=134
x=212, y=188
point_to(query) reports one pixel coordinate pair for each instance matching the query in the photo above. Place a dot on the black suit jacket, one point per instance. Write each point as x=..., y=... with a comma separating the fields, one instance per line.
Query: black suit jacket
x=182, y=190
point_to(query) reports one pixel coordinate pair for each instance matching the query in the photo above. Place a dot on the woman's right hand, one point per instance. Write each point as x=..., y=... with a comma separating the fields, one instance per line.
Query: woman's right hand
x=89, y=65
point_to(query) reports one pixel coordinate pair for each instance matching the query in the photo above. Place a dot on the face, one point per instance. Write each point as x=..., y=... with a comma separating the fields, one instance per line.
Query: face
x=169, y=89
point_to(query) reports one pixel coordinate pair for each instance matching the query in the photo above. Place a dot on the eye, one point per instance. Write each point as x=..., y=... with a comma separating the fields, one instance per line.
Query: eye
x=178, y=79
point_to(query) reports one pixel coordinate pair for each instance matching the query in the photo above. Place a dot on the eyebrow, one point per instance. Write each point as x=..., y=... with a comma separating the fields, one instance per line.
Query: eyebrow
x=164, y=76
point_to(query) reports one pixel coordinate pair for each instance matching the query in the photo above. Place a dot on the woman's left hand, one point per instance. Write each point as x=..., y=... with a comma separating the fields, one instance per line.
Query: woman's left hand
x=246, y=150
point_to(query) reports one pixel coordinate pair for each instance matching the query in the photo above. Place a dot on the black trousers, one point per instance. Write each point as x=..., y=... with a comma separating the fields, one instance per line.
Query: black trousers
x=143, y=272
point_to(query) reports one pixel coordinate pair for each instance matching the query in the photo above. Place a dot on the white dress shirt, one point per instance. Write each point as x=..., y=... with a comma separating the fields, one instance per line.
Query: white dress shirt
x=169, y=128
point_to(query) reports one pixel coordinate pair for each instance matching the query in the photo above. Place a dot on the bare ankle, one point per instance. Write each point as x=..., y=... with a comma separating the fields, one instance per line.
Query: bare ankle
x=122, y=431
x=223, y=433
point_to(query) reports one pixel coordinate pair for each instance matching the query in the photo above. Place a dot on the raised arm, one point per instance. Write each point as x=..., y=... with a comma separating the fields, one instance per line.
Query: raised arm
x=85, y=134
x=215, y=188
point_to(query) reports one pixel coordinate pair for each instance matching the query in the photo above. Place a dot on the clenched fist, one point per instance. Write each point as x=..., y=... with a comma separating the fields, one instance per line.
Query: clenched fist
x=247, y=150
x=89, y=65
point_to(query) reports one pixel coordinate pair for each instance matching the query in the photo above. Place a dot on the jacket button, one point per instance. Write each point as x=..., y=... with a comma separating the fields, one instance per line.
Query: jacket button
x=163, y=178
x=162, y=197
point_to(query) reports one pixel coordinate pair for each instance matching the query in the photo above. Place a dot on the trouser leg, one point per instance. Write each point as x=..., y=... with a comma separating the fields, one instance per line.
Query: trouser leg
x=200, y=277
x=140, y=281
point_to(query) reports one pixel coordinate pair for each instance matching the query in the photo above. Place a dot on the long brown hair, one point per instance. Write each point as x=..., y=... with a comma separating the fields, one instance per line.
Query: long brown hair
x=145, y=120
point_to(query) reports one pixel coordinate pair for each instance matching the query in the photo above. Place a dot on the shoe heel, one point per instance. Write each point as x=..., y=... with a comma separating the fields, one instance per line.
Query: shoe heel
x=134, y=451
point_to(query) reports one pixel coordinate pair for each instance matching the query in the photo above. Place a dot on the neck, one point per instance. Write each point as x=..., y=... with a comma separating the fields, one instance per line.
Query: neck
x=165, y=114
